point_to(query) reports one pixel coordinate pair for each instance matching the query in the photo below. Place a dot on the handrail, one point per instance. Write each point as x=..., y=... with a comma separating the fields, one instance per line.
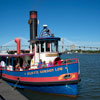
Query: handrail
x=63, y=62
x=68, y=61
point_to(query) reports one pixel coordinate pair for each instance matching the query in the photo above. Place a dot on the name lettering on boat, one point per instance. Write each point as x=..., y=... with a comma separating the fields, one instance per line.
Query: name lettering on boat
x=45, y=71
x=51, y=70
x=58, y=69
x=30, y=73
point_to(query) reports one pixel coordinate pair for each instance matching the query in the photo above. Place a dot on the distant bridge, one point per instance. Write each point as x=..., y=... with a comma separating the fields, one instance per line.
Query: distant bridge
x=73, y=47
x=11, y=45
x=61, y=48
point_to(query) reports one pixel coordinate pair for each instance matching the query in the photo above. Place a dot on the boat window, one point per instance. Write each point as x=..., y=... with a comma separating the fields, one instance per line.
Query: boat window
x=48, y=46
x=3, y=59
x=14, y=62
x=37, y=47
x=42, y=46
x=54, y=46
x=9, y=61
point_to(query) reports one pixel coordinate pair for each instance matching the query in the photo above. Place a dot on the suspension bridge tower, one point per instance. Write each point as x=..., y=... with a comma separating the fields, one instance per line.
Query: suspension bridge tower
x=63, y=44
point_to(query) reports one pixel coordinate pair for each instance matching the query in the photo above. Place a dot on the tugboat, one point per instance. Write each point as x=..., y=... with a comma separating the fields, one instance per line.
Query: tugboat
x=41, y=69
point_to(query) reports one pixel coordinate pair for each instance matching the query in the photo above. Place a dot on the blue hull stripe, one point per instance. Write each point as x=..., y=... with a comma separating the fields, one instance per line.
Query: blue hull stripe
x=45, y=72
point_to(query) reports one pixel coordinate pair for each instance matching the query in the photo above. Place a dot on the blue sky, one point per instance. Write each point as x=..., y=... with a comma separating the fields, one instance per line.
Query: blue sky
x=78, y=21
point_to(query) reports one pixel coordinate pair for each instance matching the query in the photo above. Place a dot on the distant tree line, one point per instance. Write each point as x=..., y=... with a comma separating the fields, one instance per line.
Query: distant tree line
x=82, y=51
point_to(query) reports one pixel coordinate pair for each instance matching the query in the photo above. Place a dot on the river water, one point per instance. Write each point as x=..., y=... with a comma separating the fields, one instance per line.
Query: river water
x=88, y=88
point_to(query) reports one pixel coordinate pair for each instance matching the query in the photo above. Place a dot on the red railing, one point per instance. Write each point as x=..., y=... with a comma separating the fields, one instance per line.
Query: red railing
x=63, y=62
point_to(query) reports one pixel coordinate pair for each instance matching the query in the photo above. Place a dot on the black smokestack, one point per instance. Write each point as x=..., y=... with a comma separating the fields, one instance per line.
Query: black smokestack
x=33, y=24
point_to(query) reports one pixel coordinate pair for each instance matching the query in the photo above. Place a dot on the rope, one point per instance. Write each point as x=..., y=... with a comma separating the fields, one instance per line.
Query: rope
x=16, y=83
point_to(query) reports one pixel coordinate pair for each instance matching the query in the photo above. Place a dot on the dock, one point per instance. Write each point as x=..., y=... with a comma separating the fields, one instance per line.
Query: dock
x=9, y=93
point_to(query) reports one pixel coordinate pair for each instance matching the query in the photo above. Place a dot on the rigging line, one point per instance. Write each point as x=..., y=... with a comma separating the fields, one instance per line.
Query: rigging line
x=16, y=83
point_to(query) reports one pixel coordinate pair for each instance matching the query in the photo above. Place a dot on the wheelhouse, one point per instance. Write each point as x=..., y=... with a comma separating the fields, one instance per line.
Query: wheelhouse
x=45, y=47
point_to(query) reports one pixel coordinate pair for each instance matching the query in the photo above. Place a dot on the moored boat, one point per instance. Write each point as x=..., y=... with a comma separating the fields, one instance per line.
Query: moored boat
x=41, y=69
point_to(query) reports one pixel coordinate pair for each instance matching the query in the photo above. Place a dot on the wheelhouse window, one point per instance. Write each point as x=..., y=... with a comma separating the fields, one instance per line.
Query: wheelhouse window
x=37, y=47
x=54, y=46
x=47, y=46
x=42, y=46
